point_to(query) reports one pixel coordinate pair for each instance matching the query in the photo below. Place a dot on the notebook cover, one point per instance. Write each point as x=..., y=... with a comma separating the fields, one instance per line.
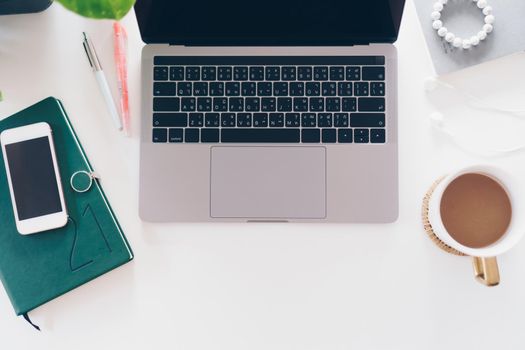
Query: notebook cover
x=37, y=268
x=465, y=19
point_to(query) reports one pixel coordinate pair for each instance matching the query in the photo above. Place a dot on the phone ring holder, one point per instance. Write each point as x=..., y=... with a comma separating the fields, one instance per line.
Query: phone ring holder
x=81, y=181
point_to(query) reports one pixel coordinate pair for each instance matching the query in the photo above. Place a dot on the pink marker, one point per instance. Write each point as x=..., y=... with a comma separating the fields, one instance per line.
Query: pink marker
x=120, y=50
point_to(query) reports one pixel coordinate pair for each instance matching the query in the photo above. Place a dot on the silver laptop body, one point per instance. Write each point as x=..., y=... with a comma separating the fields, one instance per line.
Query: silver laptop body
x=281, y=182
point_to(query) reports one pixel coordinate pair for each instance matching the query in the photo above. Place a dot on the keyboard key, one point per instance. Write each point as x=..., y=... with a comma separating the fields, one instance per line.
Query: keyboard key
x=337, y=73
x=236, y=104
x=238, y=135
x=268, y=104
x=249, y=89
x=377, y=135
x=260, y=120
x=345, y=88
x=329, y=89
x=196, y=120
x=176, y=135
x=240, y=73
x=233, y=89
x=333, y=104
x=320, y=73
x=316, y=104
x=257, y=73
x=361, y=135
x=304, y=73
x=252, y=104
x=191, y=135
x=166, y=104
x=280, y=89
x=374, y=73
x=361, y=88
x=276, y=120
x=371, y=104
x=209, y=73
x=344, y=135
x=204, y=104
x=293, y=120
x=353, y=73
x=160, y=135
x=193, y=73
x=264, y=89
x=341, y=120
x=308, y=120
x=224, y=73
x=324, y=120
x=273, y=73
x=170, y=119
x=244, y=120
x=310, y=135
x=210, y=135
x=220, y=104
x=377, y=88
x=313, y=88
x=211, y=120
x=176, y=73
x=300, y=104
x=228, y=120
x=200, y=89
x=164, y=89
x=367, y=120
x=288, y=73
x=296, y=89
x=187, y=104
x=329, y=135
x=349, y=104
x=184, y=89
x=284, y=104
x=160, y=73
x=216, y=89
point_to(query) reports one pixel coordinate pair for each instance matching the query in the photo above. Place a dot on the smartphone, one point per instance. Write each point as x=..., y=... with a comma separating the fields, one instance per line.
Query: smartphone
x=33, y=178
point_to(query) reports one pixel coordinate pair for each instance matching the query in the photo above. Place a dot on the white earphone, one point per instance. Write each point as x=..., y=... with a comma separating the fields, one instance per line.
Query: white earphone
x=438, y=122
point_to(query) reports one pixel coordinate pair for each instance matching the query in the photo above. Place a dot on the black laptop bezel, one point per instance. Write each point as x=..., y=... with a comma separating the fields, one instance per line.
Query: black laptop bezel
x=141, y=10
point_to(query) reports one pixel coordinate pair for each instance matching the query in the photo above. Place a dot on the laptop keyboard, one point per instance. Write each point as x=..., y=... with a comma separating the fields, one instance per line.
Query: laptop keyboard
x=259, y=99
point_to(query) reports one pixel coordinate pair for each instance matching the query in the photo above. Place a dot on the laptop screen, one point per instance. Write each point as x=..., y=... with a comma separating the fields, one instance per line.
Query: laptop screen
x=269, y=22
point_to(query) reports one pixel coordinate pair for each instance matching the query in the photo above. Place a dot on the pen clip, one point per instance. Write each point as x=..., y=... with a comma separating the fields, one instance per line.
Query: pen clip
x=91, y=53
x=87, y=54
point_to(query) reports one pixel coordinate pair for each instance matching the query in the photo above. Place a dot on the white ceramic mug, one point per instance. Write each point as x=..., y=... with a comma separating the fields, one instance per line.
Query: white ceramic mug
x=484, y=259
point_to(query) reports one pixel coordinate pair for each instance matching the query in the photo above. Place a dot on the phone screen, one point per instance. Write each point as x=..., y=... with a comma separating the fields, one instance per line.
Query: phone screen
x=33, y=178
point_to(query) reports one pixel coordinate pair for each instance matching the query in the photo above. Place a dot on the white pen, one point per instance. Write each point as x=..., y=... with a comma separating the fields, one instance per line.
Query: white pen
x=101, y=80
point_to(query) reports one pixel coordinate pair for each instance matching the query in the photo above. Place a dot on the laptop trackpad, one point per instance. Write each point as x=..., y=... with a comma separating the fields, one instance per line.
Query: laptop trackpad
x=268, y=182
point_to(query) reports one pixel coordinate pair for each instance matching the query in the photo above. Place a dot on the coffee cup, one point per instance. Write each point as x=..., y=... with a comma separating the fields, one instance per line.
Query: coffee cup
x=476, y=211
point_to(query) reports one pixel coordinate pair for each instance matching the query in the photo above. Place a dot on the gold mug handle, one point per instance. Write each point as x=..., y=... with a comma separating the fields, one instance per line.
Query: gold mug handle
x=486, y=270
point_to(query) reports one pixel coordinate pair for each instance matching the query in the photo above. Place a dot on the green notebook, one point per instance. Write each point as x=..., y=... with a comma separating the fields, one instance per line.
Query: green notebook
x=37, y=268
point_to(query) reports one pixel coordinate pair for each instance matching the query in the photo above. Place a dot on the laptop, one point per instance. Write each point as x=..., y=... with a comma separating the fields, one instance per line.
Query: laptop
x=275, y=110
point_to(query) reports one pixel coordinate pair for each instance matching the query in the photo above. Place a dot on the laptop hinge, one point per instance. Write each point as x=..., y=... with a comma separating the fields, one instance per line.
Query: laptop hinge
x=364, y=43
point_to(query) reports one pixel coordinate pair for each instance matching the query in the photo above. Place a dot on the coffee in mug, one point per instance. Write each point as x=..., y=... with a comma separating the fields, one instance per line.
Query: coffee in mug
x=475, y=210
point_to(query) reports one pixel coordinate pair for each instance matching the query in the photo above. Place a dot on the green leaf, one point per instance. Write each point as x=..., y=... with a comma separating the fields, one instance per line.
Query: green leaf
x=111, y=9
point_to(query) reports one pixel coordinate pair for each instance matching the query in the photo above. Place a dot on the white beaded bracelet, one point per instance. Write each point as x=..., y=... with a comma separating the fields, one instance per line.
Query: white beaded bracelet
x=454, y=40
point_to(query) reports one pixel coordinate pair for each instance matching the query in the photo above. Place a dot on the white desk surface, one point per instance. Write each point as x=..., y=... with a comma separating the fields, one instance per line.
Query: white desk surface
x=268, y=286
